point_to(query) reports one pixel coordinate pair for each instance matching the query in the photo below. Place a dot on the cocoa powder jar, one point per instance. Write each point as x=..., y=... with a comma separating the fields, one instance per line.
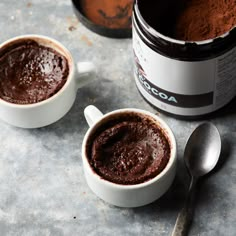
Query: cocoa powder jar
x=185, y=61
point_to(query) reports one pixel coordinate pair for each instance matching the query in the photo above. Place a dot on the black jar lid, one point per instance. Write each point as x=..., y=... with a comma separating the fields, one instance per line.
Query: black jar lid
x=99, y=29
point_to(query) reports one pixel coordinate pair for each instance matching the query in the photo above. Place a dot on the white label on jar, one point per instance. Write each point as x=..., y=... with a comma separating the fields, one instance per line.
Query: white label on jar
x=183, y=87
x=226, y=78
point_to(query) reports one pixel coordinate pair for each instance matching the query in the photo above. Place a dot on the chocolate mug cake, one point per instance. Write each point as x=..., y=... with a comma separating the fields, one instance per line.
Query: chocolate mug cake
x=131, y=149
x=129, y=156
x=31, y=73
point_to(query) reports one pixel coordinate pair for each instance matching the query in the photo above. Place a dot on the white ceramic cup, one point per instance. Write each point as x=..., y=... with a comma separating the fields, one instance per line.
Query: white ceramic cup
x=52, y=109
x=127, y=195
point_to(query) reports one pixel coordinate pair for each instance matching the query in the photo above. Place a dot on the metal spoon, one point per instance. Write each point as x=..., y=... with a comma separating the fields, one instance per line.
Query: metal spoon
x=201, y=155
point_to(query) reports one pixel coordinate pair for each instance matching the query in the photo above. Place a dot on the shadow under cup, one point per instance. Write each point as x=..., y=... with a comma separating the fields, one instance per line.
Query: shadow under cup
x=48, y=110
x=128, y=195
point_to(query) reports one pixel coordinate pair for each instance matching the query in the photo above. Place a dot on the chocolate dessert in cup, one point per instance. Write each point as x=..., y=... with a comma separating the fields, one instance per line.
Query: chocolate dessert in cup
x=129, y=156
x=38, y=80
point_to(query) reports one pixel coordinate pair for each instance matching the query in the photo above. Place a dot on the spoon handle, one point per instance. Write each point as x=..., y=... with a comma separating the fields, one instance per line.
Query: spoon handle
x=182, y=223
x=185, y=216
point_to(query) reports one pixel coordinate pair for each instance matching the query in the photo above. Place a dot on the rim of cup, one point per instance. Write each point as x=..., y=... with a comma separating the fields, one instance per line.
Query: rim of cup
x=60, y=48
x=161, y=124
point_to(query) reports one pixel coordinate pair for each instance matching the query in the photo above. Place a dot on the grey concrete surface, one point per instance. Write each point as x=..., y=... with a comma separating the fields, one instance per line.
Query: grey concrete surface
x=42, y=185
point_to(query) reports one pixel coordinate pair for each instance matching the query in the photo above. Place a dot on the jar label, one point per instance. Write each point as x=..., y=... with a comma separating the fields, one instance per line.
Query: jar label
x=174, y=99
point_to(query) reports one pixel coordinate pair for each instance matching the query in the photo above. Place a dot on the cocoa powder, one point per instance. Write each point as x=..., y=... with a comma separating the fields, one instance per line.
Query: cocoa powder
x=113, y=14
x=204, y=19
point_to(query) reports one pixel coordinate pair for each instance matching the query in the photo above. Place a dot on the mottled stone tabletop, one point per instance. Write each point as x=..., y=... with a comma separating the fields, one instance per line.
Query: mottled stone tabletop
x=42, y=186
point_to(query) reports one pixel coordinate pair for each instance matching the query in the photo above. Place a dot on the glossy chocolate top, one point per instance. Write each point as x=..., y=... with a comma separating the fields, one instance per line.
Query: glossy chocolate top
x=30, y=73
x=130, y=152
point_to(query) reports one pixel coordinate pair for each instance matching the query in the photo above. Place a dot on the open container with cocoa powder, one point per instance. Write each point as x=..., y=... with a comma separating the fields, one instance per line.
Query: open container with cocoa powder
x=185, y=55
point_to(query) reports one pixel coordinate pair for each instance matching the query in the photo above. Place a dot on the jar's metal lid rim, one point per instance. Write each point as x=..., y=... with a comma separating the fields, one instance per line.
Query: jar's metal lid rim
x=177, y=41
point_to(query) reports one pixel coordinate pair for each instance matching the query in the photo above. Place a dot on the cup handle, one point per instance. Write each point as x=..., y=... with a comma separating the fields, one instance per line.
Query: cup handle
x=92, y=114
x=85, y=73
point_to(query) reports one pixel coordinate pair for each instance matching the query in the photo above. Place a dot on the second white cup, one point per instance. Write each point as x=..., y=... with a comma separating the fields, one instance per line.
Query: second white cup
x=52, y=109
x=131, y=195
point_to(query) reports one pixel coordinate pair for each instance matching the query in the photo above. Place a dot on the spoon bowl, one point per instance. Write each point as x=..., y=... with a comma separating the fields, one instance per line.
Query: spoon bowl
x=202, y=150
